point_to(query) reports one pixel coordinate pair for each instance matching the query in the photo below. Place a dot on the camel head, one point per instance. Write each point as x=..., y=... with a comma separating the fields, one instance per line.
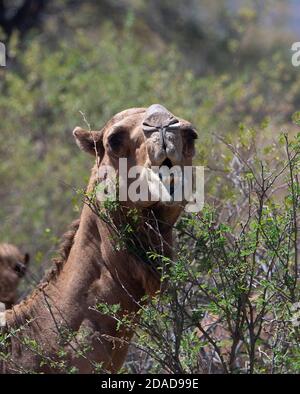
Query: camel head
x=13, y=265
x=137, y=144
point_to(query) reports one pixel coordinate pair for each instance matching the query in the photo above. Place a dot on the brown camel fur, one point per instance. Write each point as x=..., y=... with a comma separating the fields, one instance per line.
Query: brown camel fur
x=13, y=265
x=91, y=268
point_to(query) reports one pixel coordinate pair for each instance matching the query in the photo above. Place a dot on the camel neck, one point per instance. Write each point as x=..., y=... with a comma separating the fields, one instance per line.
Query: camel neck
x=62, y=299
x=131, y=239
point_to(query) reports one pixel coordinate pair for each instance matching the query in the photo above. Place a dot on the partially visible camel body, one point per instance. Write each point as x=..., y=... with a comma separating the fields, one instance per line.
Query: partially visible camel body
x=13, y=265
x=92, y=268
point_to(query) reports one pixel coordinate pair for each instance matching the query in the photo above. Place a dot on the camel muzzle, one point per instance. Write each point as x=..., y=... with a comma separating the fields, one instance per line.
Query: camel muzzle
x=159, y=119
x=162, y=129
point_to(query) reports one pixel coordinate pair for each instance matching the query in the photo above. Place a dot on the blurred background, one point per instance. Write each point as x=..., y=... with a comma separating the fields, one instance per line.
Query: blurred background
x=223, y=64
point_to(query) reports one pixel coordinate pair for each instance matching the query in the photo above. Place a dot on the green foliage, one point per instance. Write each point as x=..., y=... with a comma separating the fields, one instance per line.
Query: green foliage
x=43, y=92
x=98, y=69
x=230, y=302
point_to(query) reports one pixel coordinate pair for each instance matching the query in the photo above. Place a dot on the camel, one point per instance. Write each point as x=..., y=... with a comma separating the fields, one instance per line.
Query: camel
x=13, y=266
x=91, y=267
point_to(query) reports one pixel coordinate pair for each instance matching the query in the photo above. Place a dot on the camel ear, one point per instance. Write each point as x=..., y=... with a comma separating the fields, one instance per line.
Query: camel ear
x=89, y=141
x=26, y=258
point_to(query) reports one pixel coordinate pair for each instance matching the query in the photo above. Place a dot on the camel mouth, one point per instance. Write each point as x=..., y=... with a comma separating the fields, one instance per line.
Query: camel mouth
x=171, y=180
x=166, y=163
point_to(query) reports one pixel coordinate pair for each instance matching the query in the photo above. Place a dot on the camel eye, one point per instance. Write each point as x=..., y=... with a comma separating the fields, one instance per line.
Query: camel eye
x=190, y=135
x=19, y=269
x=116, y=141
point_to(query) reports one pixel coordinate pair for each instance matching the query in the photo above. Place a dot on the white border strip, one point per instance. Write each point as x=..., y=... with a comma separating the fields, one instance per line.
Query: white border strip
x=2, y=315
